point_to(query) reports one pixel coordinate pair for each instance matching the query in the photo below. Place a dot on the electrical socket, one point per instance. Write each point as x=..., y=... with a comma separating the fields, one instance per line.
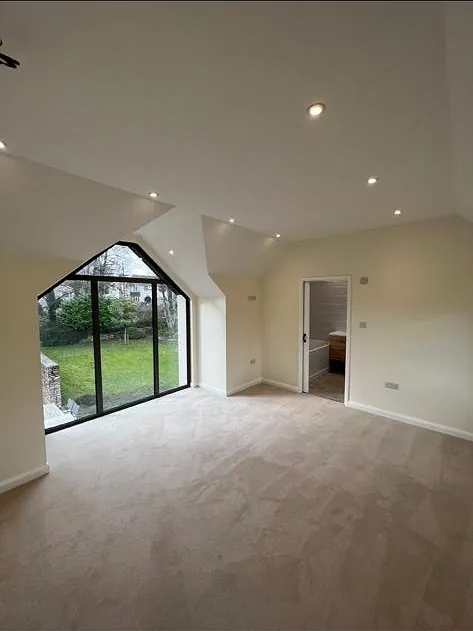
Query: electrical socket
x=253, y=361
x=391, y=385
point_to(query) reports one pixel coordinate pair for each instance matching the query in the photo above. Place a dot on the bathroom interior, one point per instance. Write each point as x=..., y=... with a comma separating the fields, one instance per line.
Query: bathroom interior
x=328, y=338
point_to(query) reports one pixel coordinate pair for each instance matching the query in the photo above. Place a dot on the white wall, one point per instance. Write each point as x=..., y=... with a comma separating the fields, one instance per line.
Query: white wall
x=418, y=305
x=212, y=344
x=22, y=445
x=243, y=329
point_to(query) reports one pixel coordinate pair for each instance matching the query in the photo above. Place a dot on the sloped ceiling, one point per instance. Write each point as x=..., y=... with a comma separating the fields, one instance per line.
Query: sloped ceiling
x=459, y=29
x=183, y=233
x=50, y=214
x=205, y=102
x=203, y=247
x=232, y=250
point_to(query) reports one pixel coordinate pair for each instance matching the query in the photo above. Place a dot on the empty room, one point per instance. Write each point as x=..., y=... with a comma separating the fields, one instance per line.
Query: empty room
x=236, y=336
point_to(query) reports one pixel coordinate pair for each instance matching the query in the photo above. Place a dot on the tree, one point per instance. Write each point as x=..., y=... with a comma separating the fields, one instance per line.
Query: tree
x=167, y=303
x=76, y=314
x=115, y=314
x=127, y=315
x=107, y=264
x=53, y=303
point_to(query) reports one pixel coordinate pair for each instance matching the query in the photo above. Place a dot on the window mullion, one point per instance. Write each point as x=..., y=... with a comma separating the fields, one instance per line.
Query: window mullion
x=154, y=304
x=96, y=342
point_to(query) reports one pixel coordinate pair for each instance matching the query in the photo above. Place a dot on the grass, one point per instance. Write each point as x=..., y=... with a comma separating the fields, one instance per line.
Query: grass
x=127, y=371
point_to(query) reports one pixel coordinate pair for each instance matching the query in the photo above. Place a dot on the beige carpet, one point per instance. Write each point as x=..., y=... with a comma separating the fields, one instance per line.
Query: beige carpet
x=268, y=510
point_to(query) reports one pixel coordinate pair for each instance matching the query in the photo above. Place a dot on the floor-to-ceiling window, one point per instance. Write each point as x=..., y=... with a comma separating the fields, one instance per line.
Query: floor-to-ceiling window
x=113, y=333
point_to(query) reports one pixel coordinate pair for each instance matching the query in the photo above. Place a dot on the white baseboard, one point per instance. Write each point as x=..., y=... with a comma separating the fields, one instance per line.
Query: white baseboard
x=23, y=478
x=204, y=386
x=245, y=386
x=279, y=384
x=412, y=420
x=318, y=373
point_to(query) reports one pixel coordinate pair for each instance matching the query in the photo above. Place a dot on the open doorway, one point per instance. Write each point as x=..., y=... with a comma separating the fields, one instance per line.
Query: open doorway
x=325, y=340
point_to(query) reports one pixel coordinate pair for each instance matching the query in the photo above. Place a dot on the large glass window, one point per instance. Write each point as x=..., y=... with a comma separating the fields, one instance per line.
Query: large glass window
x=172, y=332
x=126, y=343
x=67, y=353
x=113, y=333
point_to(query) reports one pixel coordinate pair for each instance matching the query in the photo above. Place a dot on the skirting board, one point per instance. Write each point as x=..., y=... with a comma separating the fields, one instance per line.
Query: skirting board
x=204, y=386
x=23, y=478
x=245, y=386
x=412, y=420
x=279, y=384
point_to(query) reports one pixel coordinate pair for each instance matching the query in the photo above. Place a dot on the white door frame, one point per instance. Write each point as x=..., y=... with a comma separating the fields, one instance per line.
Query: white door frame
x=302, y=286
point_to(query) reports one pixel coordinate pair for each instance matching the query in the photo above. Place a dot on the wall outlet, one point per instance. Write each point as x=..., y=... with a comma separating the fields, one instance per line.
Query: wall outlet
x=391, y=385
x=364, y=280
x=251, y=298
x=253, y=361
x=363, y=325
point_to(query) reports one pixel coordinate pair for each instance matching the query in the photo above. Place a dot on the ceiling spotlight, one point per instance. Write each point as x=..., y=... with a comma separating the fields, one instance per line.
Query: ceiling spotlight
x=231, y=220
x=277, y=235
x=153, y=195
x=372, y=180
x=2, y=145
x=398, y=212
x=315, y=110
x=171, y=252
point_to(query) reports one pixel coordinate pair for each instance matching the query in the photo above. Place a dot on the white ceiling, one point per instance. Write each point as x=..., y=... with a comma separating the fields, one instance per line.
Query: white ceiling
x=46, y=213
x=237, y=250
x=203, y=247
x=181, y=232
x=205, y=102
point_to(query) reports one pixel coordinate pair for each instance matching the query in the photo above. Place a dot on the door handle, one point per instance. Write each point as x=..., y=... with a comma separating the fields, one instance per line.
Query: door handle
x=304, y=338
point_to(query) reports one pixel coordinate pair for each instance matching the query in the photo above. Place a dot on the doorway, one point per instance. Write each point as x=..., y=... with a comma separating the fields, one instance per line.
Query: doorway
x=325, y=347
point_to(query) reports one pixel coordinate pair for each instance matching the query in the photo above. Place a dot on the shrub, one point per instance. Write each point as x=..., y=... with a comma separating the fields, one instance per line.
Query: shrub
x=58, y=334
x=134, y=333
x=145, y=314
x=86, y=399
x=163, y=328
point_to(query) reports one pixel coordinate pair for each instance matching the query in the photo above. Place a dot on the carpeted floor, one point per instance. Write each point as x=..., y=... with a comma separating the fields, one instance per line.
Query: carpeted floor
x=267, y=510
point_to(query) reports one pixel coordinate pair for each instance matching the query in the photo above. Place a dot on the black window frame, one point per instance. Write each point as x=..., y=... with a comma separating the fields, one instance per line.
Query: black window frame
x=160, y=279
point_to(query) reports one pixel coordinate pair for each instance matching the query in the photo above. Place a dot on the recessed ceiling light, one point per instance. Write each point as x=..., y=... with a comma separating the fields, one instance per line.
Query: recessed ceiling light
x=398, y=212
x=277, y=235
x=372, y=180
x=2, y=145
x=171, y=252
x=153, y=194
x=315, y=110
x=231, y=220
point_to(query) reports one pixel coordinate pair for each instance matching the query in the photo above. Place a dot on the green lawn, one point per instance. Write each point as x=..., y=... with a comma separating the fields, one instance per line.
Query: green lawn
x=127, y=371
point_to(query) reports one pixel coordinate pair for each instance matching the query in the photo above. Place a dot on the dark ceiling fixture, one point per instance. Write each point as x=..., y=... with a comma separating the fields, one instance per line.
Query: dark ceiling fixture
x=6, y=60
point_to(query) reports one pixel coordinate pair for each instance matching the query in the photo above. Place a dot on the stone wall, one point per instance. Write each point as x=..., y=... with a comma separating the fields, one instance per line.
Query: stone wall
x=50, y=381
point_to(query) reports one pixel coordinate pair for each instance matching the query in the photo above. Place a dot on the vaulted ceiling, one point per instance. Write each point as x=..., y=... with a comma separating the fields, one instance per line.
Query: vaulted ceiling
x=205, y=103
